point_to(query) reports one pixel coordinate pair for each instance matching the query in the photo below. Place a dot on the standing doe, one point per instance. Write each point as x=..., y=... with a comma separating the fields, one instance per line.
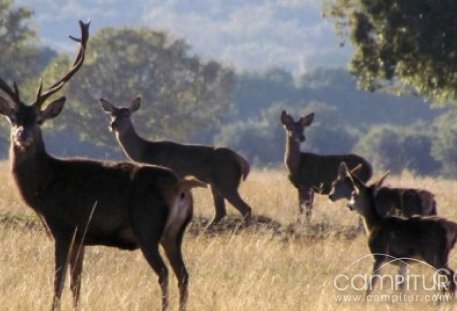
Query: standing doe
x=222, y=168
x=83, y=202
x=403, y=240
x=310, y=172
x=388, y=201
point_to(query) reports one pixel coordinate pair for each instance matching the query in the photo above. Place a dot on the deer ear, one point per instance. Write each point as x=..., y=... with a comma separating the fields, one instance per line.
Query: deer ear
x=381, y=180
x=355, y=170
x=135, y=104
x=5, y=108
x=107, y=106
x=342, y=169
x=285, y=118
x=52, y=110
x=307, y=120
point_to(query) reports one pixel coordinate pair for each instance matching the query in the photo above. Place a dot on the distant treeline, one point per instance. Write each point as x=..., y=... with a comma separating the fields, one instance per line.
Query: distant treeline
x=188, y=99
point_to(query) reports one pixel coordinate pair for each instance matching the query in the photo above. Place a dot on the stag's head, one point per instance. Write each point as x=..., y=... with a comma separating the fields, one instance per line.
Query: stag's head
x=26, y=119
x=120, y=117
x=296, y=129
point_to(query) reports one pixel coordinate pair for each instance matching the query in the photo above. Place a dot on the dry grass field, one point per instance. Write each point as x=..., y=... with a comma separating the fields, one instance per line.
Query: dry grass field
x=271, y=265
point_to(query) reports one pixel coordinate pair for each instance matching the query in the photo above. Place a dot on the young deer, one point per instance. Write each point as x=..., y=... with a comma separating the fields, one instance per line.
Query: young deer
x=84, y=202
x=222, y=168
x=388, y=201
x=398, y=240
x=310, y=172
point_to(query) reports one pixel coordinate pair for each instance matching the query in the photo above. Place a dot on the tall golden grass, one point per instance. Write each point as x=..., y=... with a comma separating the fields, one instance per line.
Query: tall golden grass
x=271, y=265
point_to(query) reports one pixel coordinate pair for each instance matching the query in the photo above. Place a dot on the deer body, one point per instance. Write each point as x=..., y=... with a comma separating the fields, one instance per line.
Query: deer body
x=309, y=172
x=388, y=201
x=222, y=168
x=398, y=240
x=84, y=202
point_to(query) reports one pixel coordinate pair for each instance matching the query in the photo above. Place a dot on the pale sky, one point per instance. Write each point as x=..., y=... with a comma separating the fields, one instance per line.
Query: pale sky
x=249, y=35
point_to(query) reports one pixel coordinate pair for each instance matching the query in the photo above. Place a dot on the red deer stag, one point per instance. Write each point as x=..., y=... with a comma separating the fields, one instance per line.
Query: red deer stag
x=310, y=172
x=222, y=168
x=85, y=202
x=388, y=201
x=399, y=240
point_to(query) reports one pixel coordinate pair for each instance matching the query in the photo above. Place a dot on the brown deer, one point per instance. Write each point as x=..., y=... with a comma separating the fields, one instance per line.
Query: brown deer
x=388, y=201
x=222, y=168
x=84, y=202
x=401, y=240
x=309, y=172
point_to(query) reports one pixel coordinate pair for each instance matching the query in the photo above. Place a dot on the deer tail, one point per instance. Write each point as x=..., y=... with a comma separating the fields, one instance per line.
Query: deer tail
x=182, y=207
x=244, y=165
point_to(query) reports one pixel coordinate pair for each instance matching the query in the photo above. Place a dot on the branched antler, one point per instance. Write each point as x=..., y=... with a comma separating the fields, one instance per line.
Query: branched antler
x=41, y=97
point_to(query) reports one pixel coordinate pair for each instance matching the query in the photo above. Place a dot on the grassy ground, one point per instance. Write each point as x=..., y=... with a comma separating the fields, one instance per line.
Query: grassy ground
x=272, y=265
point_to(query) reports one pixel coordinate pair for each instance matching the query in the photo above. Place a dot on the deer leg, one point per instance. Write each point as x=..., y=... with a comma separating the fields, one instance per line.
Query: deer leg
x=375, y=274
x=309, y=205
x=402, y=270
x=172, y=245
x=148, y=218
x=62, y=247
x=219, y=205
x=76, y=268
x=235, y=199
x=305, y=204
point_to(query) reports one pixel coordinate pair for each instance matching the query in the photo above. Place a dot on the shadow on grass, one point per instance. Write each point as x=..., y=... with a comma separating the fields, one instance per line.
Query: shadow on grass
x=259, y=224
x=265, y=225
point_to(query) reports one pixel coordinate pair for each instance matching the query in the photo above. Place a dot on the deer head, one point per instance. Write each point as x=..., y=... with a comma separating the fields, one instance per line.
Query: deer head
x=342, y=185
x=26, y=119
x=296, y=129
x=360, y=199
x=120, y=117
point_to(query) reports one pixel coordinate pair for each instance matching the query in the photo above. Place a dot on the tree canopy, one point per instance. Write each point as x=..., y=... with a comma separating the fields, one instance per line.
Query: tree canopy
x=408, y=42
x=17, y=43
x=181, y=93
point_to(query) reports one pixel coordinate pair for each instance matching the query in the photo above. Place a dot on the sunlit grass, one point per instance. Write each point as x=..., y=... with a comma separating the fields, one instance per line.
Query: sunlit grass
x=248, y=269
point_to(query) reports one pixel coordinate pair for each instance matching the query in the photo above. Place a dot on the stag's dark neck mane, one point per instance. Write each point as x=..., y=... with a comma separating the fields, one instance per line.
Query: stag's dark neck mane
x=31, y=169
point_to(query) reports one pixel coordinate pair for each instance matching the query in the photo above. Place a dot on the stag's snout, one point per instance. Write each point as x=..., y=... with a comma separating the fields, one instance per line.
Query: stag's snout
x=22, y=137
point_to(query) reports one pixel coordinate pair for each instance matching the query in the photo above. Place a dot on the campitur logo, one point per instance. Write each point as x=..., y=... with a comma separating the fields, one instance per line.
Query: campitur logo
x=409, y=285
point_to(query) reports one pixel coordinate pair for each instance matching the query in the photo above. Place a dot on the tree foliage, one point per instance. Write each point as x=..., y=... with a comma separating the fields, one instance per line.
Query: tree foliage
x=180, y=93
x=17, y=43
x=412, y=42
x=396, y=148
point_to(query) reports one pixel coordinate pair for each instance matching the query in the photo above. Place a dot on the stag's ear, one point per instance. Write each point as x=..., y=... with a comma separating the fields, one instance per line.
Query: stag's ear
x=107, y=106
x=135, y=104
x=306, y=120
x=5, y=108
x=52, y=110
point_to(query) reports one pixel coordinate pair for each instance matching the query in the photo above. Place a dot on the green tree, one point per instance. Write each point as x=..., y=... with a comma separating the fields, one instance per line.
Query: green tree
x=444, y=147
x=181, y=94
x=412, y=42
x=396, y=148
x=18, y=56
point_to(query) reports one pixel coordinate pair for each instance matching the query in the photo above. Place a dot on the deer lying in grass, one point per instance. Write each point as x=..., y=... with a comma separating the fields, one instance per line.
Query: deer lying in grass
x=399, y=240
x=310, y=172
x=388, y=201
x=85, y=202
x=222, y=168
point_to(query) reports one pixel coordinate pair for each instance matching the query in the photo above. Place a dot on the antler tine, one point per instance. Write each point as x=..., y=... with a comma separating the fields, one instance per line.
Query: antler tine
x=76, y=66
x=12, y=93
